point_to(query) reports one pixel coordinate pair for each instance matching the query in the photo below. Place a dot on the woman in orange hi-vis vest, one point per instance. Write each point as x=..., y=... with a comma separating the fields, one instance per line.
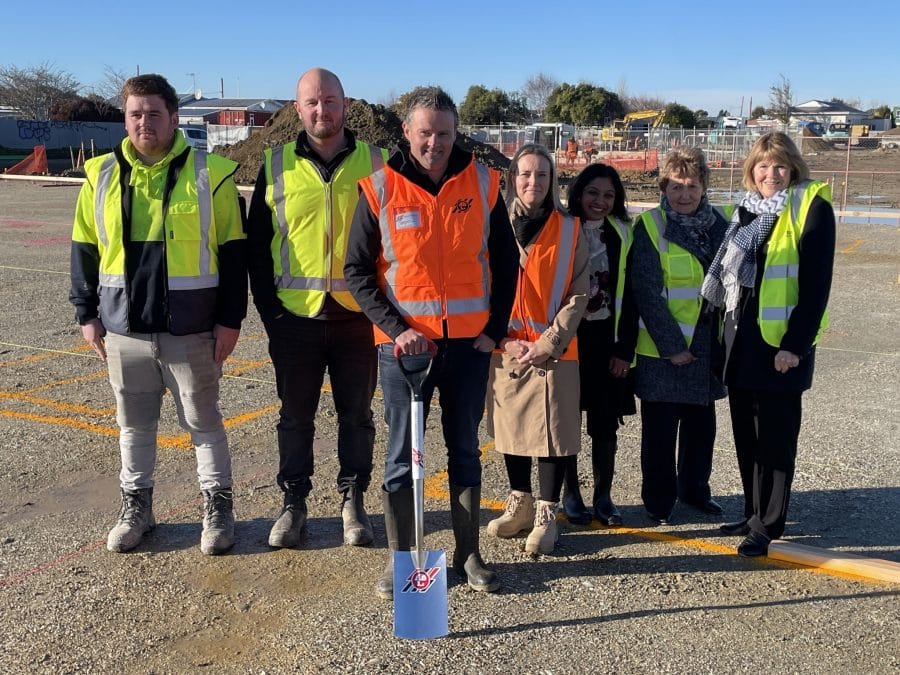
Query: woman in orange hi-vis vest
x=533, y=391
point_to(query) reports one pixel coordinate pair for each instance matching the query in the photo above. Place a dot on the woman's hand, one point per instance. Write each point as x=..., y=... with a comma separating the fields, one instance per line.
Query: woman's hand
x=785, y=360
x=618, y=367
x=515, y=348
x=535, y=353
x=682, y=358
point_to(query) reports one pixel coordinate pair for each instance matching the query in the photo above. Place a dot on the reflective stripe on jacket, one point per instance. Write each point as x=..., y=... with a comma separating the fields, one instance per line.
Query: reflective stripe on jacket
x=189, y=240
x=434, y=249
x=311, y=221
x=626, y=235
x=779, y=290
x=544, y=281
x=682, y=277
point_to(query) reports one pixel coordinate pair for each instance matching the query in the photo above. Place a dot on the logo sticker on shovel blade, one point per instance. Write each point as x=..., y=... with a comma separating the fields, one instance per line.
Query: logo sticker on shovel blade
x=420, y=580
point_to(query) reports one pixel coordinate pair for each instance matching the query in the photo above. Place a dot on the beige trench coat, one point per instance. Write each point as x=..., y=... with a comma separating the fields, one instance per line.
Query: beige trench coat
x=533, y=410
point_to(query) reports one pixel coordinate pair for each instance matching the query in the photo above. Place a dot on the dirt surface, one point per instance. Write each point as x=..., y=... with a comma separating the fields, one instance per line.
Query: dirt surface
x=634, y=599
x=372, y=123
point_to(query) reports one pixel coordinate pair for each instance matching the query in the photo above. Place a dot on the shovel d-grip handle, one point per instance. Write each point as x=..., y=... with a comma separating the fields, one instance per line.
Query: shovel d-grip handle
x=415, y=377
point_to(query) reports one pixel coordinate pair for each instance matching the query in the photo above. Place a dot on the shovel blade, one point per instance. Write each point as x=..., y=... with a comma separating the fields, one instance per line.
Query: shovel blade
x=420, y=596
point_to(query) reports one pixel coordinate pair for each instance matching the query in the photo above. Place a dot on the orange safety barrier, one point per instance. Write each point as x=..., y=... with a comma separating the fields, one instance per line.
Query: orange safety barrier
x=644, y=160
x=34, y=164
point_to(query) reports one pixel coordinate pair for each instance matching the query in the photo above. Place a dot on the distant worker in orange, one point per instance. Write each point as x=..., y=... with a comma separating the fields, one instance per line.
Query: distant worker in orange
x=571, y=151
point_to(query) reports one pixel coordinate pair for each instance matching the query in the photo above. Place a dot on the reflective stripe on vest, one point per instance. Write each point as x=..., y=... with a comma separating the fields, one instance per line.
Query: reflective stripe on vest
x=683, y=300
x=205, y=278
x=435, y=307
x=779, y=290
x=286, y=279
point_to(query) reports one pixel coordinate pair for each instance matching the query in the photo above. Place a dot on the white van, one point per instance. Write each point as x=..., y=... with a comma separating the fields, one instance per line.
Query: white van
x=196, y=137
x=731, y=122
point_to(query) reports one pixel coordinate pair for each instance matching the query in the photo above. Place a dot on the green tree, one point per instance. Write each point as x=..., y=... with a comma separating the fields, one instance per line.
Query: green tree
x=882, y=111
x=583, y=104
x=679, y=116
x=494, y=106
x=758, y=112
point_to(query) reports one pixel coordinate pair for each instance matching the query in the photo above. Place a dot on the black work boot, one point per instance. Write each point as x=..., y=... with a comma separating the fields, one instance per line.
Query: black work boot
x=573, y=505
x=135, y=520
x=398, y=526
x=465, y=508
x=218, y=521
x=603, y=461
x=287, y=529
x=357, y=528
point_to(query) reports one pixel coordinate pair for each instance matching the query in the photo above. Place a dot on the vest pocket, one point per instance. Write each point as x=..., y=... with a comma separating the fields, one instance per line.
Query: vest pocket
x=679, y=266
x=183, y=221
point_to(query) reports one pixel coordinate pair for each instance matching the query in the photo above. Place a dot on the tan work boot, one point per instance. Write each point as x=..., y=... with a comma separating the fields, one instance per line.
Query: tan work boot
x=543, y=537
x=135, y=520
x=218, y=521
x=517, y=517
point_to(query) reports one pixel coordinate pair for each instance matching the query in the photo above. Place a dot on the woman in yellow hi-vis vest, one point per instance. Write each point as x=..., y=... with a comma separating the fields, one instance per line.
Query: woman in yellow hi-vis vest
x=678, y=349
x=772, y=275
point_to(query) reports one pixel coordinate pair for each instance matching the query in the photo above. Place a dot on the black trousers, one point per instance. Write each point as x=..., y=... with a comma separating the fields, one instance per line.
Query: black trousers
x=766, y=426
x=665, y=479
x=302, y=350
x=551, y=472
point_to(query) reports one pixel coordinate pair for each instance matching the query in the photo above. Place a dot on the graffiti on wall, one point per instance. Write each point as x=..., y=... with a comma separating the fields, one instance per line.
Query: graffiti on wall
x=42, y=130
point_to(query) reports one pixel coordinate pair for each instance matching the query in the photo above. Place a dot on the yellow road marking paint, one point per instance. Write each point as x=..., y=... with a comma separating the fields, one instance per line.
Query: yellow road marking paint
x=75, y=351
x=28, y=269
x=50, y=403
x=70, y=380
x=852, y=247
x=856, y=351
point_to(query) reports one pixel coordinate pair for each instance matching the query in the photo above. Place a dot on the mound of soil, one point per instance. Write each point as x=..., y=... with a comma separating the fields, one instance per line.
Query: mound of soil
x=371, y=123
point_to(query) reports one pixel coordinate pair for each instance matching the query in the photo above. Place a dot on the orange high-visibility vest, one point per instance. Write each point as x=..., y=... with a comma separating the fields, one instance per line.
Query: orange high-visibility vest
x=544, y=281
x=433, y=264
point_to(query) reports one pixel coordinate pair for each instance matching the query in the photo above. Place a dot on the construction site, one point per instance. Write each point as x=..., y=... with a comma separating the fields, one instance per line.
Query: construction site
x=634, y=598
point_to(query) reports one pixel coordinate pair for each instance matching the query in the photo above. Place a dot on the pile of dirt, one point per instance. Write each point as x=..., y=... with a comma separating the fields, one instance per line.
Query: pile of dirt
x=813, y=143
x=371, y=123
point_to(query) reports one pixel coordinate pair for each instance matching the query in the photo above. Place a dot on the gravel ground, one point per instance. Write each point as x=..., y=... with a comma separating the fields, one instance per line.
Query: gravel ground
x=632, y=599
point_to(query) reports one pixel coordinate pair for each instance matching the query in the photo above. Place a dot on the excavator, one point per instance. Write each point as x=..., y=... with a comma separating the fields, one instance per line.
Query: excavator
x=630, y=130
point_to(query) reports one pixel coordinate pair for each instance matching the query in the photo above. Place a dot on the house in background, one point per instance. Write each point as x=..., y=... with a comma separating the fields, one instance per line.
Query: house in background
x=828, y=112
x=237, y=112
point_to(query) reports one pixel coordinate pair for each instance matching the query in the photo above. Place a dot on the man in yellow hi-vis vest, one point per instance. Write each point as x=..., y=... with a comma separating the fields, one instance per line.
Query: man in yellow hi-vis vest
x=300, y=213
x=159, y=284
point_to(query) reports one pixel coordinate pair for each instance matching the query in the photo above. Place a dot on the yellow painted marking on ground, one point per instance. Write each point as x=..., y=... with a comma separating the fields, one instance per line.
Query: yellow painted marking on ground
x=248, y=379
x=28, y=269
x=856, y=351
x=247, y=365
x=50, y=403
x=852, y=247
x=62, y=421
x=70, y=380
x=252, y=415
x=75, y=351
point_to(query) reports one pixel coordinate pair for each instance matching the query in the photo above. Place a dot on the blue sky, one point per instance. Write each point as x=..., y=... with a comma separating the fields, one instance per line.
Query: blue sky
x=706, y=55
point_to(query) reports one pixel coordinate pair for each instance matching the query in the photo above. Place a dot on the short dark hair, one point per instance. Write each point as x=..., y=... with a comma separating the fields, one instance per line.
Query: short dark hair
x=591, y=173
x=431, y=98
x=151, y=84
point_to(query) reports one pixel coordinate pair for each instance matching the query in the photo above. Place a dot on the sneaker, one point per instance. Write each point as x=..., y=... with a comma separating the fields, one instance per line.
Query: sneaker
x=543, y=537
x=287, y=529
x=218, y=521
x=135, y=520
x=517, y=516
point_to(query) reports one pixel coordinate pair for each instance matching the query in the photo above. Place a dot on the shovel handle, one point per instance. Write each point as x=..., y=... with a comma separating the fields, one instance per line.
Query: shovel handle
x=415, y=377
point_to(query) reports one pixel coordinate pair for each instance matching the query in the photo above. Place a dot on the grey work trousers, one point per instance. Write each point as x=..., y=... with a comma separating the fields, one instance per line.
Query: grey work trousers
x=141, y=367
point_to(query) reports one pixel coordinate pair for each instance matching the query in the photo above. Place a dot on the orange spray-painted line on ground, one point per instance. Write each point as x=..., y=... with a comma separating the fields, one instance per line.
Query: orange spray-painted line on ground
x=47, y=354
x=51, y=403
x=68, y=380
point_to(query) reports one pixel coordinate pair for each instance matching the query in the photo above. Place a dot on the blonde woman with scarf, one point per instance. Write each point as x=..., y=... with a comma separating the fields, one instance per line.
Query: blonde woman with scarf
x=772, y=275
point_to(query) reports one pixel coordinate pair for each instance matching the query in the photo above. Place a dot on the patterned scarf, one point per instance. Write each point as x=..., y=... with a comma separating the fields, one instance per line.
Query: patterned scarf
x=691, y=232
x=734, y=266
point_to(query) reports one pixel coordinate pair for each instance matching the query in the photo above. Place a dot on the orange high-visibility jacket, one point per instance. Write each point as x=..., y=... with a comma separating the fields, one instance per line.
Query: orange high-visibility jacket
x=434, y=249
x=544, y=281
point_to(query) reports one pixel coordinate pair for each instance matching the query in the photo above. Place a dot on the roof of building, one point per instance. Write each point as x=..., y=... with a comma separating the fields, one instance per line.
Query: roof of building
x=819, y=107
x=208, y=105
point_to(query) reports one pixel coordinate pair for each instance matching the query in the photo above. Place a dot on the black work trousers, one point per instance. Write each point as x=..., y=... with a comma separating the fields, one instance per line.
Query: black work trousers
x=302, y=350
x=766, y=427
x=665, y=479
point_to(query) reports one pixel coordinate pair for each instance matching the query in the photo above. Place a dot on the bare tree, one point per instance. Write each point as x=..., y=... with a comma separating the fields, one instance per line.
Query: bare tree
x=33, y=90
x=110, y=87
x=781, y=99
x=640, y=102
x=537, y=90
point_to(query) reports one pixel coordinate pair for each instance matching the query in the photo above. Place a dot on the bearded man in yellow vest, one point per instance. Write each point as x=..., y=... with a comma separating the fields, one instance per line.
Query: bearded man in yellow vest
x=159, y=284
x=300, y=215
x=432, y=259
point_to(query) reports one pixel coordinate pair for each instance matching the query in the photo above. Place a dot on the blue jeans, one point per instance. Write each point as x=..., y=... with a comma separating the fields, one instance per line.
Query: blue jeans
x=460, y=373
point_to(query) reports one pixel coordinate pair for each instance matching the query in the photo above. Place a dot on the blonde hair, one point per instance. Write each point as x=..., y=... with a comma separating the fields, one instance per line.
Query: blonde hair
x=513, y=204
x=776, y=146
x=684, y=163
